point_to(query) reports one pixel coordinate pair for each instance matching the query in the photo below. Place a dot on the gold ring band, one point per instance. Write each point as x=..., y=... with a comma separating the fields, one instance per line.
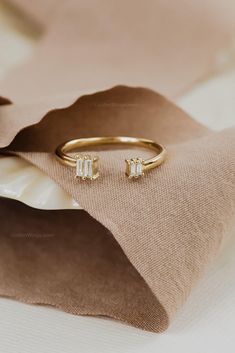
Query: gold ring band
x=87, y=166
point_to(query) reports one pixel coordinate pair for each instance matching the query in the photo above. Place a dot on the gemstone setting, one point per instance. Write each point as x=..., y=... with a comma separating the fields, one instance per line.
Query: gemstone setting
x=86, y=167
x=134, y=168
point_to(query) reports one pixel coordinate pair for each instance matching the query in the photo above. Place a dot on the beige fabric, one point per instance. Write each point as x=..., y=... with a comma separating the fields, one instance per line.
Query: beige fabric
x=95, y=44
x=140, y=247
x=170, y=224
x=68, y=260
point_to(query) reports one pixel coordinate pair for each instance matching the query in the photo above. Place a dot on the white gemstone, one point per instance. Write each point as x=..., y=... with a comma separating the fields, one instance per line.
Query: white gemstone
x=139, y=168
x=89, y=167
x=84, y=167
x=132, y=168
x=79, y=167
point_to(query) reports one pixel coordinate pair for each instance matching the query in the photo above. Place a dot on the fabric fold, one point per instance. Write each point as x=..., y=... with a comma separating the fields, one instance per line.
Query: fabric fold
x=67, y=260
x=170, y=224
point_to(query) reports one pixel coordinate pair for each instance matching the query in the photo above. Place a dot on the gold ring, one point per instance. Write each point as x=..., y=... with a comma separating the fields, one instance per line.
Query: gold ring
x=87, y=166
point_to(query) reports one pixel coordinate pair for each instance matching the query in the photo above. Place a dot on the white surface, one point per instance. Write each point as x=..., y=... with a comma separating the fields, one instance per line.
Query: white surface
x=22, y=181
x=213, y=102
x=207, y=322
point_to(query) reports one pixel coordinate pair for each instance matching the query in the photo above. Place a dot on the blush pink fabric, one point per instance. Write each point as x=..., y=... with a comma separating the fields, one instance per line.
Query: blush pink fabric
x=137, y=249
x=92, y=45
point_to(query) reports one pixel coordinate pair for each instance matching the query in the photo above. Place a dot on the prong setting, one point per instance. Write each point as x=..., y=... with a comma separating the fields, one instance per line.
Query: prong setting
x=134, y=168
x=86, y=167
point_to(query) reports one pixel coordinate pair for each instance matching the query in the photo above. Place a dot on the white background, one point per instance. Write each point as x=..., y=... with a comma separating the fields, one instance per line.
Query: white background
x=206, y=323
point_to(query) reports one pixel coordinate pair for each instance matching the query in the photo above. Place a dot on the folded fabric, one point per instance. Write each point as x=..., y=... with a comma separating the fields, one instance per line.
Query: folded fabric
x=169, y=224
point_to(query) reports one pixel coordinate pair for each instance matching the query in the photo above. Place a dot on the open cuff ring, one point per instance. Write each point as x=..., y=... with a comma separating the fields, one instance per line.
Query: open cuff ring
x=87, y=166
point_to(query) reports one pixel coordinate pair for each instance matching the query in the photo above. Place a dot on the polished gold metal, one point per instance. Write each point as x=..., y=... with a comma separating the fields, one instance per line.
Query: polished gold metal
x=87, y=166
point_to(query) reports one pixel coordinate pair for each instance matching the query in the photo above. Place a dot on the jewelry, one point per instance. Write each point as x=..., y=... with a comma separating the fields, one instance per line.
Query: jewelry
x=87, y=166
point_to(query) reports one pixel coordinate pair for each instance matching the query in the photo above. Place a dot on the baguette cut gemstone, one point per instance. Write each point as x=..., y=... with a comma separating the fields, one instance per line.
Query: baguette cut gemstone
x=79, y=171
x=139, y=169
x=86, y=167
x=89, y=168
x=134, y=167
